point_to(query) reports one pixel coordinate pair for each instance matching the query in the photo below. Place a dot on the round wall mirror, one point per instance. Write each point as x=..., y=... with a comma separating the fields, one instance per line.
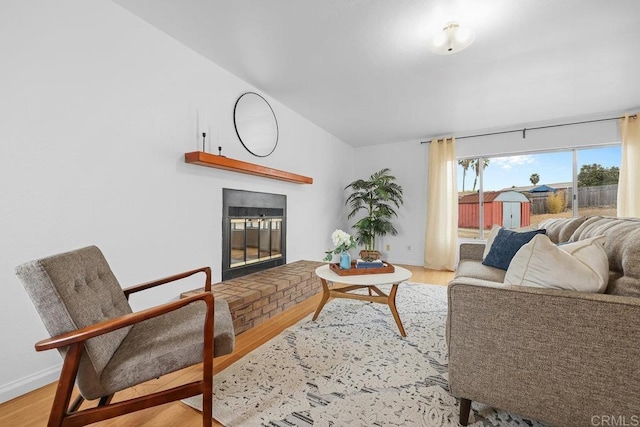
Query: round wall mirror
x=256, y=124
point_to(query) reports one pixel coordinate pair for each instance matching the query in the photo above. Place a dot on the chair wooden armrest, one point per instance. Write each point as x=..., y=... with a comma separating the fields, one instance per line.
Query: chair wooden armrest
x=148, y=285
x=81, y=335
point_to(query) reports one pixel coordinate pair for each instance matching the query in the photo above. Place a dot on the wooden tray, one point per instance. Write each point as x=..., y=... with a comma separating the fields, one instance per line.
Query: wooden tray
x=353, y=271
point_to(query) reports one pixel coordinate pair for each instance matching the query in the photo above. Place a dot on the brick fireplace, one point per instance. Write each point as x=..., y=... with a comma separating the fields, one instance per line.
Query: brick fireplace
x=256, y=280
x=256, y=297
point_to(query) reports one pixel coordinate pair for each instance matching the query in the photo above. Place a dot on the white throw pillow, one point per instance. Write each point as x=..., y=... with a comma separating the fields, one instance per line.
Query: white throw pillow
x=490, y=239
x=580, y=266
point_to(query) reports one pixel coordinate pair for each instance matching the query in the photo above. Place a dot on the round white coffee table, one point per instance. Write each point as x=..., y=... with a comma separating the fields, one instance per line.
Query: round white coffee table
x=361, y=281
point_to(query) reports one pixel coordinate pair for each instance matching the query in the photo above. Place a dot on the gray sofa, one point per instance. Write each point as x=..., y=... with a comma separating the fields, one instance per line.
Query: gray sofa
x=566, y=358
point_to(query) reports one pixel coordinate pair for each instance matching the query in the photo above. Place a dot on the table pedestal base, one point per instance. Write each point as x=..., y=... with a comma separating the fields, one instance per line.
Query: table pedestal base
x=380, y=298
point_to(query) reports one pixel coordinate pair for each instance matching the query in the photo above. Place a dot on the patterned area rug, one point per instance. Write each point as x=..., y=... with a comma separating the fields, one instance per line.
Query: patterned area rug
x=351, y=368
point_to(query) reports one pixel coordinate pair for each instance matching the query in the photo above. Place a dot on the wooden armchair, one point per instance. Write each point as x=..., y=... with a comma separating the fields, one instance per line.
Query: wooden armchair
x=107, y=347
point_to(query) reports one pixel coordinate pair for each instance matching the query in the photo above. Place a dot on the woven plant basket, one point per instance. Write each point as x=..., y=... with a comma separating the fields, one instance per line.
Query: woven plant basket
x=366, y=255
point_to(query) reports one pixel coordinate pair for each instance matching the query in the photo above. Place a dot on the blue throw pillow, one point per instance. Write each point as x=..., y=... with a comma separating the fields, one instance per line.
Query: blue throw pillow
x=505, y=246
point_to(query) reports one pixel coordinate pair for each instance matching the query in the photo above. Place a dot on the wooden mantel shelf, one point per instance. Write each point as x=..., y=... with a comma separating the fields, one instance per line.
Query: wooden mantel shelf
x=214, y=161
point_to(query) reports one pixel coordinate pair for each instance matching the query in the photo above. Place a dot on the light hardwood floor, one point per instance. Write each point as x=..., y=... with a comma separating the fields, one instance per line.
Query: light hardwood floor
x=32, y=409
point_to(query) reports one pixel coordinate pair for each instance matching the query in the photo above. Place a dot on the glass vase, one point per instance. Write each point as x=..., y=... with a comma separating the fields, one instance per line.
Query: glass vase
x=345, y=260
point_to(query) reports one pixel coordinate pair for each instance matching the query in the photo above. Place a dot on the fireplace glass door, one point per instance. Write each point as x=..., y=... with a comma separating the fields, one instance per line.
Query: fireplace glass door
x=255, y=240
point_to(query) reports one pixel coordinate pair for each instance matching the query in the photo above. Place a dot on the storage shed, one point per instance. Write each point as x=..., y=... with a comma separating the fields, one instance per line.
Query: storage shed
x=509, y=209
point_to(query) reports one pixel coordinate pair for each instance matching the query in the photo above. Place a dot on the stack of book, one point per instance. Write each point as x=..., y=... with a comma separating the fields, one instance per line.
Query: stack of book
x=370, y=264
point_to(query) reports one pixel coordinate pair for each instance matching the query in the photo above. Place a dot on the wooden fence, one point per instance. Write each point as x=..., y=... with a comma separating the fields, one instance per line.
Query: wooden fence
x=588, y=197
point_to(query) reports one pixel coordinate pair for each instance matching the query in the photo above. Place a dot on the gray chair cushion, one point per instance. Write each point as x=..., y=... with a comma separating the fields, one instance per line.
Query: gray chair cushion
x=156, y=347
x=73, y=290
x=165, y=344
x=224, y=336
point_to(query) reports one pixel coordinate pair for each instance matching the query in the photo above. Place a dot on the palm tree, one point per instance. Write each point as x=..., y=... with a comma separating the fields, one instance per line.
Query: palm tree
x=465, y=163
x=376, y=196
x=534, y=178
x=476, y=168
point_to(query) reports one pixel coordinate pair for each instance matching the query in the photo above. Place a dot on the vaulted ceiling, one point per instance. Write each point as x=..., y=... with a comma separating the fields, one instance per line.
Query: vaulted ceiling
x=361, y=68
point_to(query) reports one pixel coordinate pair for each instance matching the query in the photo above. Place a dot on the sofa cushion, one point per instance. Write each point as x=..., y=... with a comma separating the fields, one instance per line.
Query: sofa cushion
x=505, y=245
x=494, y=232
x=490, y=239
x=580, y=266
x=622, y=246
x=475, y=269
x=561, y=229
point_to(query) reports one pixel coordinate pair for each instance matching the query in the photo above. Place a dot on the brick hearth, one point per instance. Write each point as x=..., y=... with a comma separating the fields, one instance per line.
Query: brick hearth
x=257, y=297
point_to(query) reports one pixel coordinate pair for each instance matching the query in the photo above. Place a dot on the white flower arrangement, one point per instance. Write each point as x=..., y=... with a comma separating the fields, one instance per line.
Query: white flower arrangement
x=342, y=241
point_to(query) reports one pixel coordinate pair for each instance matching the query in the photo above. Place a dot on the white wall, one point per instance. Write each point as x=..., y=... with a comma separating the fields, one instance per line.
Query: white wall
x=407, y=161
x=97, y=110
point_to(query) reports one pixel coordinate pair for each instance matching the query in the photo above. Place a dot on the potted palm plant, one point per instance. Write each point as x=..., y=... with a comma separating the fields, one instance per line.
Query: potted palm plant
x=377, y=196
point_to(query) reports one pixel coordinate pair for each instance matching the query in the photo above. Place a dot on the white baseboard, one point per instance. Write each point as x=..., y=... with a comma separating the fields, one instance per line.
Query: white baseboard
x=414, y=262
x=29, y=383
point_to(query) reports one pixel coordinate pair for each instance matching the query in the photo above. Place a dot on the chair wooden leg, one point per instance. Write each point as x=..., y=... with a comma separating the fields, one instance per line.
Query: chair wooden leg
x=465, y=409
x=207, y=406
x=105, y=400
x=65, y=385
x=76, y=404
x=207, y=369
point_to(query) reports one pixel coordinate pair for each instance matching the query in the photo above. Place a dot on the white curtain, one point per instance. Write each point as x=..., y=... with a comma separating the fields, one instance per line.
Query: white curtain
x=629, y=184
x=441, y=237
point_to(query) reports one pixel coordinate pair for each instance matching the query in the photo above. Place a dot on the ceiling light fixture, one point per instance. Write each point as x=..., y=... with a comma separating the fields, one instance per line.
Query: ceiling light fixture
x=452, y=39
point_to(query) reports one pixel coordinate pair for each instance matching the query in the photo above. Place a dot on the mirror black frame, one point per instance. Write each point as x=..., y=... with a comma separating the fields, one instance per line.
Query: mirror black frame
x=235, y=125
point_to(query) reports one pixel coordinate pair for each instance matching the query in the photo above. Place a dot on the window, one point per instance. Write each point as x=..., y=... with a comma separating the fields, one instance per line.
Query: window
x=598, y=171
x=520, y=190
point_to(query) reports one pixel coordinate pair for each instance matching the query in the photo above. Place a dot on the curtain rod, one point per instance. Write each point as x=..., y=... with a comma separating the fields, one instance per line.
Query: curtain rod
x=524, y=130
